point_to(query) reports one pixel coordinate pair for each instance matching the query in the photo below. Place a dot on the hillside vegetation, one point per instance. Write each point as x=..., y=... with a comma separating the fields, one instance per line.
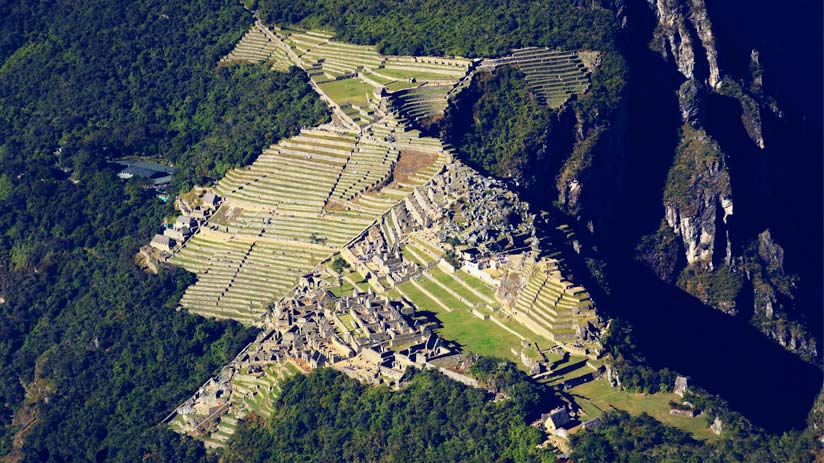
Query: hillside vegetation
x=498, y=126
x=92, y=354
x=142, y=81
x=625, y=439
x=469, y=29
x=326, y=416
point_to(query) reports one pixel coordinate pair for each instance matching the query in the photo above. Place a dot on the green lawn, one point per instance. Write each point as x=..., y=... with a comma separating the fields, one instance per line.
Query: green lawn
x=378, y=79
x=472, y=333
x=424, y=260
x=543, y=342
x=400, y=85
x=450, y=283
x=601, y=396
x=425, y=246
x=347, y=91
x=338, y=290
x=418, y=75
x=566, y=375
x=449, y=300
x=476, y=283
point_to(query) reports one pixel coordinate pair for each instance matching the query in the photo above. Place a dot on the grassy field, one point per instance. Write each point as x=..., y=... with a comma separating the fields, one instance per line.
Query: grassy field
x=378, y=79
x=476, y=284
x=400, y=85
x=424, y=258
x=344, y=286
x=347, y=91
x=597, y=397
x=418, y=75
x=442, y=295
x=473, y=334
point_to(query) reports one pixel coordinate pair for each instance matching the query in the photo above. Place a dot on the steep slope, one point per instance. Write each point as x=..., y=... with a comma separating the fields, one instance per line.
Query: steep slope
x=718, y=170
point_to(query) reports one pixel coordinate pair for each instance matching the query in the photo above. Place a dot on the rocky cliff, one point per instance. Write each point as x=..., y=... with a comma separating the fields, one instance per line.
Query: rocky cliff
x=589, y=180
x=684, y=34
x=773, y=295
x=736, y=275
x=698, y=199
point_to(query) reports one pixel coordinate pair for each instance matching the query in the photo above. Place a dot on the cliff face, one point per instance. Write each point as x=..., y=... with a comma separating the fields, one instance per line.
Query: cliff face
x=589, y=181
x=684, y=33
x=773, y=294
x=698, y=199
x=700, y=250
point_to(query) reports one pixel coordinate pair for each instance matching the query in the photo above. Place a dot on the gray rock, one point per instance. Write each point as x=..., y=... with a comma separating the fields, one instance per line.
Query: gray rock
x=690, y=99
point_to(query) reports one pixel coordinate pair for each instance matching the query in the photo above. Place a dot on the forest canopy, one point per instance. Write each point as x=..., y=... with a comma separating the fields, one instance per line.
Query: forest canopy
x=326, y=416
x=92, y=353
x=432, y=27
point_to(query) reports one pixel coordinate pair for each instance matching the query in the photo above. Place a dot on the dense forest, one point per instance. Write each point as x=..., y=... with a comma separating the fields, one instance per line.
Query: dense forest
x=642, y=439
x=93, y=355
x=470, y=29
x=499, y=126
x=143, y=81
x=327, y=416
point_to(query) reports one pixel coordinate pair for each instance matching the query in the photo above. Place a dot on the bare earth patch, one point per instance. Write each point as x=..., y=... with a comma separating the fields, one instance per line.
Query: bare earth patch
x=410, y=162
x=225, y=214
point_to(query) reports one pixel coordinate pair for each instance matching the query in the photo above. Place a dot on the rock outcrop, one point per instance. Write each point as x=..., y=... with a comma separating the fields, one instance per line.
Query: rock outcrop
x=690, y=99
x=703, y=28
x=698, y=198
x=773, y=297
x=684, y=33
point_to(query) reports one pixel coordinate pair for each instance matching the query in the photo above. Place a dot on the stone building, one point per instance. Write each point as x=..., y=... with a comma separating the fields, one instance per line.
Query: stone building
x=162, y=243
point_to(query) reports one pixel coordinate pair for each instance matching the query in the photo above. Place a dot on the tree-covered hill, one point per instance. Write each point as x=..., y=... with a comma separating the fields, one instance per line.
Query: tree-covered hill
x=142, y=80
x=92, y=353
x=470, y=29
x=326, y=416
x=642, y=439
x=500, y=128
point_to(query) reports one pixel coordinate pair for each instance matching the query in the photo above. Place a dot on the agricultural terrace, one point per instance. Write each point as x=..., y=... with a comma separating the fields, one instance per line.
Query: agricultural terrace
x=550, y=305
x=464, y=307
x=250, y=393
x=307, y=196
x=299, y=202
x=256, y=47
x=347, y=91
x=553, y=75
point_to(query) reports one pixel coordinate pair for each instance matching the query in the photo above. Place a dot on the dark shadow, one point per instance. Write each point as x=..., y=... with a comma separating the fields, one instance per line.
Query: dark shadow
x=771, y=386
x=725, y=355
x=568, y=368
x=788, y=37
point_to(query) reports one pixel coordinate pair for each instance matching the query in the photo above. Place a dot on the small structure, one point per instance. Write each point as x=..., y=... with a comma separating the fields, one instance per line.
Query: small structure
x=162, y=242
x=557, y=418
x=686, y=410
x=178, y=234
x=201, y=212
x=185, y=221
x=591, y=424
x=211, y=200
x=717, y=425
x=157, y=174
x=680, y=386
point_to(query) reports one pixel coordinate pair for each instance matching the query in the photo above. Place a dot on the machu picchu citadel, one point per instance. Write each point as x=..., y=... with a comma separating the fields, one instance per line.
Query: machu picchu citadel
x=341, y=242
